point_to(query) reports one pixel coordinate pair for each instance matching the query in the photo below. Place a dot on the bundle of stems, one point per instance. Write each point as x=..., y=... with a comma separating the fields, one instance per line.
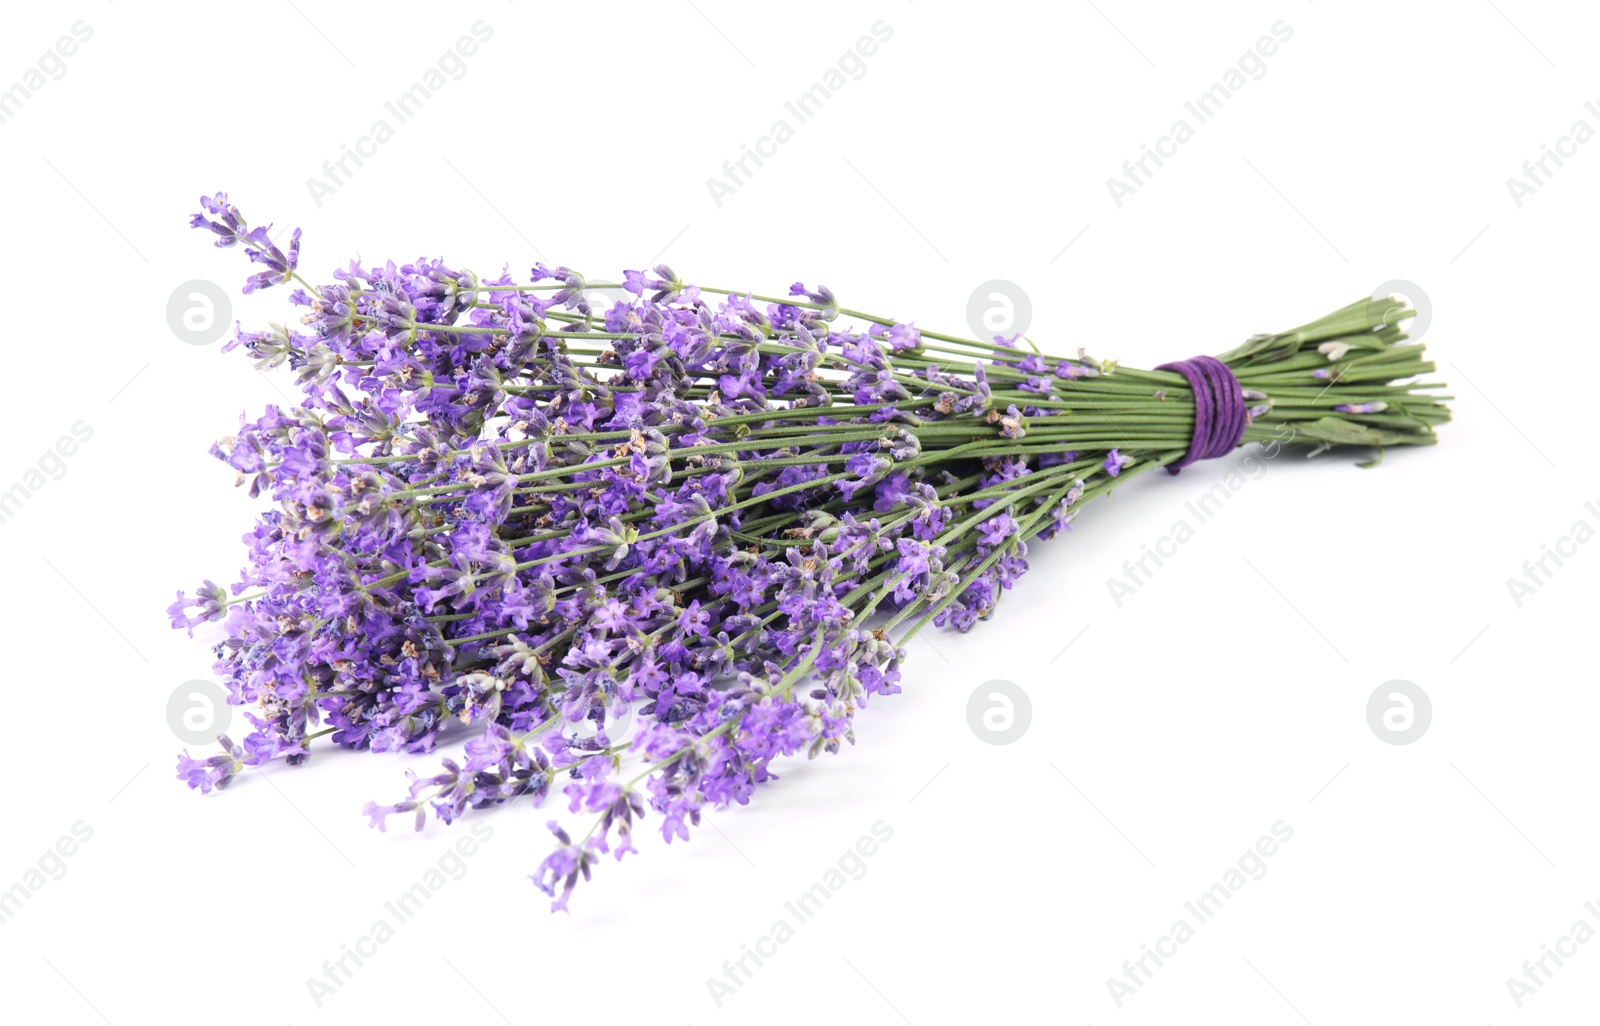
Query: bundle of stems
x=691, y=529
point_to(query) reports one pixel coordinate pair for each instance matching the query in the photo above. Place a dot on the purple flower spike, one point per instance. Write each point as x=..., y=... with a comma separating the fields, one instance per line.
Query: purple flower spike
x=562, y=867
x=223, y=220
x=216, y=772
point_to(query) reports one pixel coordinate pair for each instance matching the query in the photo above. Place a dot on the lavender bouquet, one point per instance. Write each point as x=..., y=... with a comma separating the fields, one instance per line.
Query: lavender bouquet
x=693, y=529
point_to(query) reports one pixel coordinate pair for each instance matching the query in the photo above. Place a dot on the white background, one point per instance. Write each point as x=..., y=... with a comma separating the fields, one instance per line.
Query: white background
x=1228, y=694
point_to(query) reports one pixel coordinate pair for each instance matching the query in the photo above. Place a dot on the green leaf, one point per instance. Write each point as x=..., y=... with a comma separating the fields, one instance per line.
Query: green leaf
x=1338, y=431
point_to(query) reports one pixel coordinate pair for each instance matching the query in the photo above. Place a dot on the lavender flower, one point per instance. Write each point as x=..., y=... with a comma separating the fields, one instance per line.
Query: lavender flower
x=690, y=534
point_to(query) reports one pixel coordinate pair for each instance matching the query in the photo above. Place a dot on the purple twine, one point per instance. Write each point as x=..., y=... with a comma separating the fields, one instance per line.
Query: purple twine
x=1219, y=410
